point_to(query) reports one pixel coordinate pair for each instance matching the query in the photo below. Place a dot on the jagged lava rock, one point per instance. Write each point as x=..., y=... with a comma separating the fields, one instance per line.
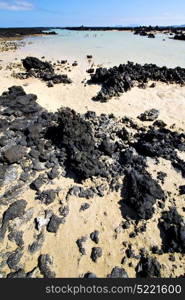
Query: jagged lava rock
x=148, y=267
x=75, y=134
x=172, y=228
x=149, y=115
x=54, y=224
x=44, y=263
x=121, y=79
x=96, y=253
x=118, y=273
x=35, y=63
x=182, y=189
x=141, y=193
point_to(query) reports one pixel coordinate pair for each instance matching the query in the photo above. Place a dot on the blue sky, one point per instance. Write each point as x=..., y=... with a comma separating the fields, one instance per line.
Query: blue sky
x=91, y=12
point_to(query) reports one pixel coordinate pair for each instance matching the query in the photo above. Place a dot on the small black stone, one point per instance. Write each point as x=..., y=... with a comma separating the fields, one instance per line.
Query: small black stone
x=118, y=273
x=95, y=236
x=96, y=253
x=54, y=224
x=84, y=206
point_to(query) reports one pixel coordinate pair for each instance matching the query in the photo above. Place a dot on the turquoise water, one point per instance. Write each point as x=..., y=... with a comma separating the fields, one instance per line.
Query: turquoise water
x=109, y=48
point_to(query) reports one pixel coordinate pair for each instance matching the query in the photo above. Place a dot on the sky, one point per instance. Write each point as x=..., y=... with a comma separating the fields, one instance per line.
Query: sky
x=30, y=13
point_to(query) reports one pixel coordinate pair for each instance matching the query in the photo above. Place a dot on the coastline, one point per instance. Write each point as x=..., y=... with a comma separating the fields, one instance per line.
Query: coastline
x=104, y=213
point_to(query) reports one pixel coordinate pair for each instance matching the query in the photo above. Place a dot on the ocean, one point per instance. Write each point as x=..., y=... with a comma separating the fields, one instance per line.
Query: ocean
x=108, y=47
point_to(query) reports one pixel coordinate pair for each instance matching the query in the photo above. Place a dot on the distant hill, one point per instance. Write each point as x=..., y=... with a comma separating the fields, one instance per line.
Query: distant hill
x=178, y=25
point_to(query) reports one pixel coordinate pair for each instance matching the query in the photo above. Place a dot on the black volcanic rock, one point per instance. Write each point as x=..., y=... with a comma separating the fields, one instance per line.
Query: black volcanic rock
x=182, y=189
x=37, y=183
x=172, y=230
x=84, y=206
x=15, y=210
x=162, y=143
x=54, y=224
x=44, y=264
x=80, y=147
x=17, y=237
x=37, y=245
x=151, y=36
x=43, y=70
x=95, y=236
x=75, y=134
x=149, y=115
x=120, y=79
x=96, y=253
x=90, y=71
x=80, y=243
x=14, y=154
x=27, y=31
x=90, y=275
x=35, y=63
x=148, y=267
x=19, y=102
x=47, y=197
x=118, y=273
x=141, y=193
x=14, y=258
x=17, y=274
x=180, y=37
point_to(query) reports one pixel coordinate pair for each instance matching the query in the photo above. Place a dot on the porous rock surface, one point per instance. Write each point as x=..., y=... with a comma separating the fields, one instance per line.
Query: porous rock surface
x=78, y=193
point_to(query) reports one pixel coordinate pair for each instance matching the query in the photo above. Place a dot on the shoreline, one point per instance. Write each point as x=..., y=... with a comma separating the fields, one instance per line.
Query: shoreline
x=51, y=98
x=65, y=201
x=24, y=31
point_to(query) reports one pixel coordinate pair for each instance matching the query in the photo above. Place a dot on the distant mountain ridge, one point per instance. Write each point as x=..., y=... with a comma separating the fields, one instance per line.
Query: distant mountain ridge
x=179, y=25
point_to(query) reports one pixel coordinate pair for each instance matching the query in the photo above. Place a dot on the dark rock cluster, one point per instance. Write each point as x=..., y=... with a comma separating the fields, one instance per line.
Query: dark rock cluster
x=172, y=228
x=43, y=70
x=182, y=190
x=80, y=243
x=96, y=253
x=118, y=273
x=36, y=64
x=78, y=144
x=180, y=37
x=142, y=32
x=161, y=142
x=81, y=147
x=141, y=193
x=21, y=32
x=15, y=210
x=149, y=115
x=76, y=136
x=120, y=79
x=54, y=224
x=44, y=263
x=148, y=267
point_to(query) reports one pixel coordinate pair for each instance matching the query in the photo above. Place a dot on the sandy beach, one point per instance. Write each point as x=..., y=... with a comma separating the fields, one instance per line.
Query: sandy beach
x=78, y=95
x=104, y=212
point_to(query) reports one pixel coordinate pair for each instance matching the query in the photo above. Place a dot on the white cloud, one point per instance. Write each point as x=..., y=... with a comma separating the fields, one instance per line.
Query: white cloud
x=16, y=5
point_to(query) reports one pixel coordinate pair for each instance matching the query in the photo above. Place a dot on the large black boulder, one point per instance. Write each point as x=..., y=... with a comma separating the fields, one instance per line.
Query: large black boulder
x=141, y=192
x=35, y=63
x=172, y=228
x=148, y=267
x=20, y=103
x=76, y=136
